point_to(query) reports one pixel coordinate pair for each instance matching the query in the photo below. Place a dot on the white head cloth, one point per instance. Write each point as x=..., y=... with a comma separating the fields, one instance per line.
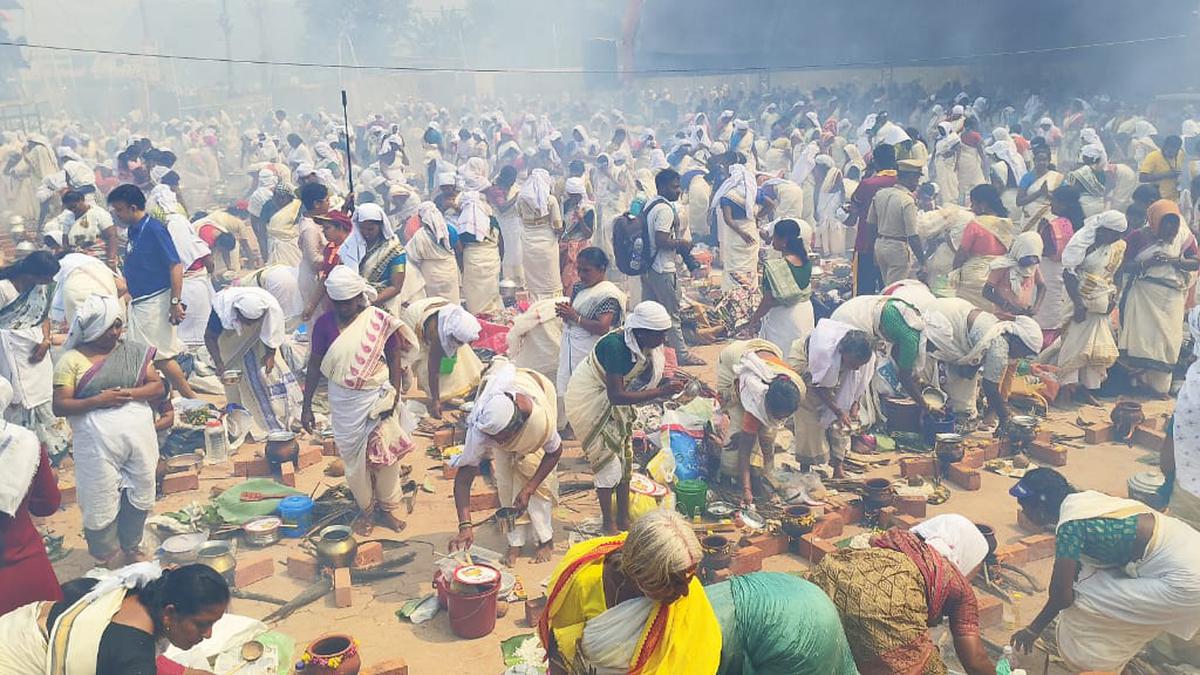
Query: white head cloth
x=344, y=283
x=536, y=191
x=434, y=220
x=1005, y=148
x=97, y=314
x=157, y=173
x=1023, y=246
x=740, y=178
x=956, y=538
x=658, y=160
x=825, y=367
x=1076, y=249
x=575, y=186
x=456, y=327
x=474, y=174
x=237, y=305
x=493, y=410
x=648, y=315
x=475, y=215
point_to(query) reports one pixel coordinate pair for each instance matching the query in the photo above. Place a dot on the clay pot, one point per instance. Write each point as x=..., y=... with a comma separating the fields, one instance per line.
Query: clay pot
x=948, y=448
x=332, y=654
x=718, y=551
x=879, y=494
x=1126, y=416
x=798, y=521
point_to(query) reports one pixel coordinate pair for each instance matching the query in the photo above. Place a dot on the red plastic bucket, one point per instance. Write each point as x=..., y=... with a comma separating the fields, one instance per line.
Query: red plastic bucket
x=472, y=616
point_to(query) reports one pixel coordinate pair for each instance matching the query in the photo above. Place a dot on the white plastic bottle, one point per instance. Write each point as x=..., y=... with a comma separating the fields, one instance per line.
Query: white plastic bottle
x=216, y=446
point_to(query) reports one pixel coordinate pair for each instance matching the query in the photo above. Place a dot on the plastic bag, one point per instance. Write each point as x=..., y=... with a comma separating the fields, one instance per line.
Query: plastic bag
x=684, y=448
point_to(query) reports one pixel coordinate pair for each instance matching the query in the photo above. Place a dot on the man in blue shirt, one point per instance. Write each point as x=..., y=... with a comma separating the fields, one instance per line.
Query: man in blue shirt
x=154, y=275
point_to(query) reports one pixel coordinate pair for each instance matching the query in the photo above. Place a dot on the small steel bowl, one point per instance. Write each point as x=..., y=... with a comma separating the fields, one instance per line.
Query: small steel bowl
x=262, y=531
x=232, y=376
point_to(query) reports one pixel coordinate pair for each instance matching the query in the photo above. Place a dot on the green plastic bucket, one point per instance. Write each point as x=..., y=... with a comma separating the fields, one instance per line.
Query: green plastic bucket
x=690, y=497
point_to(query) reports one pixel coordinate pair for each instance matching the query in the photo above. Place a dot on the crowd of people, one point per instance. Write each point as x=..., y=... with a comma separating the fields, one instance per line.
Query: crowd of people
x=149, y=253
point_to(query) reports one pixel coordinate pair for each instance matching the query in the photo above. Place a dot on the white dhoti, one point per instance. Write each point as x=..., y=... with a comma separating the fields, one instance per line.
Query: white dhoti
x=481, y=278
x=353, y=424
x=150, y=322
x=196, y=294
x=510, y=480
x=513, y=261
x=115, y=449
x=543, y=278
x=784, y=324
x=1116, y=612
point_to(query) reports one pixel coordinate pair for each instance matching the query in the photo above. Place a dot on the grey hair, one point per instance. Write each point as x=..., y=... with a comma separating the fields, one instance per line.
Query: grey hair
x=659, y=544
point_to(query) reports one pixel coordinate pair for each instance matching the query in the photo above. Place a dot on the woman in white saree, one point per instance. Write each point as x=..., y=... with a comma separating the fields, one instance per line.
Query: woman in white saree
x=479, y=235
x=1090, y=262
x=1160, y=261
x=362, y=350
x=732, y=208
x=430, y=250
x=542, y=221
x=444, y=364
x=829, y=195
x=596, y=307
x=103, y=387
x=244, y=333
x=1123, y=574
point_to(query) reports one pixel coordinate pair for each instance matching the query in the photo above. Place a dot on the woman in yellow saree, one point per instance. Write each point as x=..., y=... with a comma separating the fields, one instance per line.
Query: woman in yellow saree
x=632, y=604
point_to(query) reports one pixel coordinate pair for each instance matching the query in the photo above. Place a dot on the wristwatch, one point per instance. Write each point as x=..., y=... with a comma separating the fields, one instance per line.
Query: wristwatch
x=174, y=301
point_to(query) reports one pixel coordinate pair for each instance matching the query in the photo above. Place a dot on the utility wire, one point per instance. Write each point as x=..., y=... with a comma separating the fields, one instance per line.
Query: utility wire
x=887, y=63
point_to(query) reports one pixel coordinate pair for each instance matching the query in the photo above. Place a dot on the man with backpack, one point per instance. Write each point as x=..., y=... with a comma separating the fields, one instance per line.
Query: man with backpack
x=660, y=283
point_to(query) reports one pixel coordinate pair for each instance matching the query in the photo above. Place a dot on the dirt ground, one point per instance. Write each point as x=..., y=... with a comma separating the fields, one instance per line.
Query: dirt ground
x=432, y=648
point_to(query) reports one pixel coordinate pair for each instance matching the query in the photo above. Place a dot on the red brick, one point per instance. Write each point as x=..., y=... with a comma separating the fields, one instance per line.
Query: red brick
x=533, y=610
x=329, y=448
x=1013, y=554
x=899, y=520
x=485, y=501
x=925, y=467
x=991, y=610
x=369, y=554
x=1099, y=433
x=992, y=449
x=251, y=467
x=973, y=459
x=1048, y=454
x=829, y=526
x=389, y=667
x=460, y=435
x=1044, y=437
x=309, y=455
x=747, y=559
x=915, y=506
x=1151, y=439
x=1040, y=546
x=853, y=514
x=253, y=569
x=1158, y=423
x=964, y=476
x=302, y=567
x=770, y=544
x=814, y=548
x=443, y=437
x=68, y=494
x=181, y=482
x=449, y=472
x=287, y=472
x=343, y=593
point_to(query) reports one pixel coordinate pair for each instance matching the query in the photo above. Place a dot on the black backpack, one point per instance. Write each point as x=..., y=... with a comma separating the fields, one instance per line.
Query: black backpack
x=632, y=246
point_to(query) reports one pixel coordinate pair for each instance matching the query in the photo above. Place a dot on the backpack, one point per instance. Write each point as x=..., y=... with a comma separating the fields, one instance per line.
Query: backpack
x=631, y=241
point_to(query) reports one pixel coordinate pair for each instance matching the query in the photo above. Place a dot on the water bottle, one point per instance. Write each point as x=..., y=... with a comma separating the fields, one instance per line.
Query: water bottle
x=1004, y=665
x=216, y=447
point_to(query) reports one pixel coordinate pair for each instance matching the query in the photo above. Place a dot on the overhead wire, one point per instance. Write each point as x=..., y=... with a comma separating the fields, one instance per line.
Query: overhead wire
x=884, y=63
